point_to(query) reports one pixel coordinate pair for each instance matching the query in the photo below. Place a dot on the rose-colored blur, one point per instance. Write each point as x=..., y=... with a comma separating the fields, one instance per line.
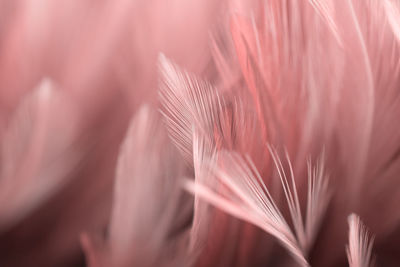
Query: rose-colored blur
x=142, y=133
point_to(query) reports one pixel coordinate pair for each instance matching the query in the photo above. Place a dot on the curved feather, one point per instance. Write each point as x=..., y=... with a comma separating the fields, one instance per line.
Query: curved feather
x=145, y=203
x=189, y=104
x=253, y=202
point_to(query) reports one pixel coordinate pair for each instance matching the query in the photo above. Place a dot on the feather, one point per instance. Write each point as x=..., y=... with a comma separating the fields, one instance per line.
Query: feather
x=141, y=170
x=318, y=198
x=189, y=104
x=291, y=197
x=201, y=122
x=359, y=250
x=393, y=16
x=253, y=202
x=34, y=163
x=326, y=10
x=305, y=76
x=202, y=151
x=143, y=175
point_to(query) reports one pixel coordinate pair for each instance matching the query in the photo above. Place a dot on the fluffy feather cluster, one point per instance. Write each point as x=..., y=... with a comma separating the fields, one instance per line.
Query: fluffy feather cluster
x=200, y=133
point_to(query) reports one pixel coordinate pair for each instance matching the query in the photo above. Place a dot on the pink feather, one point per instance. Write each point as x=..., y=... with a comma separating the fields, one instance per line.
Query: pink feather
x=199, y=133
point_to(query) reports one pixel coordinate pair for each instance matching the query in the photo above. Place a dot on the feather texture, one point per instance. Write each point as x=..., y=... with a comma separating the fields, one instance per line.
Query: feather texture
x=252, y=202
x=359, y=250
x=285, y=121
x=190, y=104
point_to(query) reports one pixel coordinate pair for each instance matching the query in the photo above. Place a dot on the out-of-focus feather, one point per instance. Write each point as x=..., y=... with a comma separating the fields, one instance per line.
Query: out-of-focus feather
x=359, y=249
x=393, y=16
x=138, y=151
x=318, y=198
x=36, y=154
x=145, y=197
x=327, y=11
